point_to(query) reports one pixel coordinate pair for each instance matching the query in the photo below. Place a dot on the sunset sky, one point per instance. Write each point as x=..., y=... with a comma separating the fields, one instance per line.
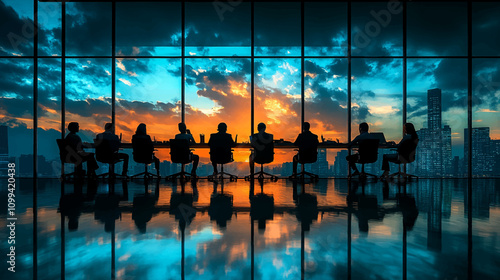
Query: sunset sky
x=148, y=90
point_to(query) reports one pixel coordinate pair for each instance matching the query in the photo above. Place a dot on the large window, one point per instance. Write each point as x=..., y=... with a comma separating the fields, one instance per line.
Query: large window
x=195, y=62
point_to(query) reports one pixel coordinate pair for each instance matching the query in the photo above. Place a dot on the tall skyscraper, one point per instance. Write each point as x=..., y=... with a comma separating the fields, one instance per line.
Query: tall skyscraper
x=434, y=109
x=434, y=158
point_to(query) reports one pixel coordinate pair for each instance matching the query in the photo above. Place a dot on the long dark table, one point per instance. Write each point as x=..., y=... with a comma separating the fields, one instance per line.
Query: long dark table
x=327, y=145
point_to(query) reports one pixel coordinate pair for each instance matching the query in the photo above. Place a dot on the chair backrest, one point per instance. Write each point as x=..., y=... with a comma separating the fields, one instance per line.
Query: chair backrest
x=308, y=153
x=407, y=150
x=142, y=149
x=103, y=151
x=64, y=152
x=368, y=150
x=220, y=150
x=264, y=151
x=179, y=150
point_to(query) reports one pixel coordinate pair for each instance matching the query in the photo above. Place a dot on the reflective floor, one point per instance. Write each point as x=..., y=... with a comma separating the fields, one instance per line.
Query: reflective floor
x=331, y=229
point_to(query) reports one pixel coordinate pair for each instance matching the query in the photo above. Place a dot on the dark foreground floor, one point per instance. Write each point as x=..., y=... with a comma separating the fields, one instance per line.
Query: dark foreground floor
x=421, y=230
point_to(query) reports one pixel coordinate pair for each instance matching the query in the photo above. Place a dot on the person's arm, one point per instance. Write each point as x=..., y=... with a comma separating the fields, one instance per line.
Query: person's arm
x=191, y=139
x=297, y=141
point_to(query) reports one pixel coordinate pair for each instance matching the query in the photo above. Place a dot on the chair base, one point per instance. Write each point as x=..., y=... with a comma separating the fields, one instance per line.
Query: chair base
x=183, y=175
x=220, y=176
x=146, y=175
x=112, y=176
x=364, y=175
x=261, y=175
x=302, y=175
x=404, y=175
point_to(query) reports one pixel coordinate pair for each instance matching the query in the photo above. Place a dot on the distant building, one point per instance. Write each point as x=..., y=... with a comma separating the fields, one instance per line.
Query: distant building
x=4, y=150
x=434, y=158
x=483, y=156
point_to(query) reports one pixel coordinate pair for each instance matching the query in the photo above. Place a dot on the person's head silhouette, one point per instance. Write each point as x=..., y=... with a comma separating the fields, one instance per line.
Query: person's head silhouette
x=182, y=127
x=306, y=127
x=261, y=127
x=109, y=127
x=363, y=127
x=141, y=129
x=222, y=127
x=73, y=127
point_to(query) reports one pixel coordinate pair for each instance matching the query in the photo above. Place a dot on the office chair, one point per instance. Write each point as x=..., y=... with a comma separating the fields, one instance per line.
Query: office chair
x=262, y=156
x=368, y=153
x=66, y=157
x=221, y=155
x=406, y=154
x=142, y=153
x=180, y=153
x=104, y=154
x=307, y=154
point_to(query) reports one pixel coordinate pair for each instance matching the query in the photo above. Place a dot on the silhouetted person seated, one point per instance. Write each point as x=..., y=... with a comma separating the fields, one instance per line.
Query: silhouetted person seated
x=141, y=137
x=220, y=139
x=363, y=135
x=305, y=140
x=408, y=143
x=75, y=143
x=186, y=134
x=114, y=142
x=259, y=141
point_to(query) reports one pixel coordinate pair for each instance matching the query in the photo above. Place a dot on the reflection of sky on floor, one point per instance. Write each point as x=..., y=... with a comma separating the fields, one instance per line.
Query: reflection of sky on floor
x=436, y=243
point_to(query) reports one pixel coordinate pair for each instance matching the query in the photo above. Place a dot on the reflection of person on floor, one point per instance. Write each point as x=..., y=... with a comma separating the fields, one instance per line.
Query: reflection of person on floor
x=221, y=139
x=259, y=141
x=114, y=142
x=363, y=135
x=186, y=134
x=75, y=144
x=145, y=139
x=304, y=140
x=408, y=143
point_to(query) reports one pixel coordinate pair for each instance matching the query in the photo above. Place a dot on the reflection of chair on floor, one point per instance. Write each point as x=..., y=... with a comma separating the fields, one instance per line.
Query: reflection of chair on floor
x=180, y=153
x=68, y=156
x=143, y=153
x=368, y=153
x=262, y=209
x=107, y=211
x=261, y=155
x=221, y=207
x=406, y=154
x=221, y=155
x=105, y=154
x=143, y=210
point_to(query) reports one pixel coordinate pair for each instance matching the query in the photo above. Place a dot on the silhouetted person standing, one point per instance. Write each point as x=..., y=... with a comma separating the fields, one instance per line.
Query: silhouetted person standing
x=259, y=141
x=408, y=143
x=186, y=134
x=114, y=143
x=143, y=138
x=363, y=135
x=221, y=139
x=75, y=143
x=305, y=140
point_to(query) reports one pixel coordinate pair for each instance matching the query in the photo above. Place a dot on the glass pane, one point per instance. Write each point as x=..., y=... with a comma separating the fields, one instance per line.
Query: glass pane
x=442, y=33
x=485, y=25
x=377, y=29
x=437, y=106
x=218, y=29
x=218, y=90
x=277, y=103
x=16, y=28
x=377, y=96
x=148, y=91
x=16, y=115
x=49, y=116
x=148, y=29
x=277, y=29
x=88, y=29
x=485, y=115
x=50, y=29
x=88, y=95
x=325, y=29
